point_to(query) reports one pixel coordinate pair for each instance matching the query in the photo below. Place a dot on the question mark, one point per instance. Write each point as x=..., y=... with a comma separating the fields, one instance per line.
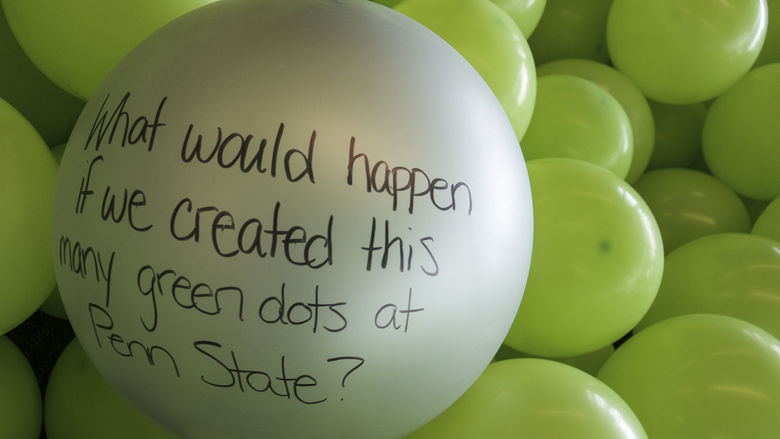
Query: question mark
x=360, y=363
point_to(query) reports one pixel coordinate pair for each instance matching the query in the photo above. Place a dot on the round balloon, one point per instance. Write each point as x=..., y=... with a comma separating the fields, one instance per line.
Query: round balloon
x=571, y=29
x=289, y=231
x=526, y=13
x=20, y=400
x=735, y=274
x=597, y=261
x=702, y=375
x=535, y=398
x=685, y=51
x=768, y=222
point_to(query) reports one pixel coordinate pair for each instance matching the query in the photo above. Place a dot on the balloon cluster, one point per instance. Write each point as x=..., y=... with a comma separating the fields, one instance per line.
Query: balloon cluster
x=651, y=306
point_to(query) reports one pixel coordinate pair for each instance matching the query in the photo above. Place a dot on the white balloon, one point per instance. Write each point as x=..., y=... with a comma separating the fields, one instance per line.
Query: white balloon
x=292, y=219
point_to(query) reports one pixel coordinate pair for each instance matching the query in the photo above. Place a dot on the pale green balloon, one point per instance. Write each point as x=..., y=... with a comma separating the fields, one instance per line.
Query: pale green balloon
x=770, y=51
x=571, y=29
x=700, y=376
x=627, y=93
x=741, y=135
x=575, y=118
x=80, y=404
x=685, y=51
x=535, y=398
x=20, y=398
x=735, y=274
x=596, y=265
x=590, y=362
x=491, y=41
x=677, y=134
x=78, y=43
x=768, y=223
x=27, y=176
x=526, y=13
x=689, y=204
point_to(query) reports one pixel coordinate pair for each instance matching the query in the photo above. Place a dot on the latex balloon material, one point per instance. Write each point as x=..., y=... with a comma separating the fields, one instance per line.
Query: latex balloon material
x=571, y=29
x=525, y=13
x=700, y=376
x=51, y=110
x=597, y=261
x=292, y=223
x=677, y=134
x=768, y=223
x=535, y=398
x=20, y=400
x=689, y=204
x=770, y=51
x=53, y=305
x=27, y=176
x=80, y=404
x=590, y=362
x=627, y=94
x=78, y=44
x=730, y=274
x=491, y=41
x=575, y=118
x=685, y=51
x=741, y=135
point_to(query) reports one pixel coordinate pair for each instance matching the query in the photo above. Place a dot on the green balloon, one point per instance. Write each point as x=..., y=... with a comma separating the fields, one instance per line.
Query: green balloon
x=78, y=43
x=50, y=109
x=590, y=362
x=526, y=13
x=677, y=134
x=575, y=118
x=596, y=265
x=27, y=177
x=80, y=404
x=734, y=274
x=685, y=51
x=741, y=135
x=700, y=376
x=20, y=398
x=629, y=96
x=535, y=398
x=571, y=29
x=491, y=41
x=768, y=223
x=770, y=51
x=689, y=204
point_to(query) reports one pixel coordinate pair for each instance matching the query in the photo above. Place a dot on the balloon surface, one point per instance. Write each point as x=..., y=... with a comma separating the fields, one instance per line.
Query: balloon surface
x=571, y=29
x=689, y=204
x=491, y=41
x=20, y=399
x=768, y=222
x=627, y=94
x=535, y=398
x=292, y=232
x=734, y=274
x=677, y=134
x=575, y=118
x=27, y=176
x=741, y=134
x=685, y=51
x=78, y=43
x=704, y=376
x=53, y=305
x=597, y=261
x=770, y=51
x=590, y=362
x=525, y=13
x=80, y=404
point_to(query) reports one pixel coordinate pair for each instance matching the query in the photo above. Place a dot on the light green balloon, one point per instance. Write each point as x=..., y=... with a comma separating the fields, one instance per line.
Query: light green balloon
x=735, y=274
x=20, y=397
x=741, y=135
x=571, y=29
x=689, y=204
x=526, y=13
x=78, y=43
x=677, y=134
x=596, y=264
x=491, y=41
x=590, y=362
x=575, y=118
x=627, y=93
x=27, y=176
x=80, y=404
x=535, y=398
x=768, y=223
x=50, y=109
x=770, y=51
x=685, y=51
x=700, y=376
